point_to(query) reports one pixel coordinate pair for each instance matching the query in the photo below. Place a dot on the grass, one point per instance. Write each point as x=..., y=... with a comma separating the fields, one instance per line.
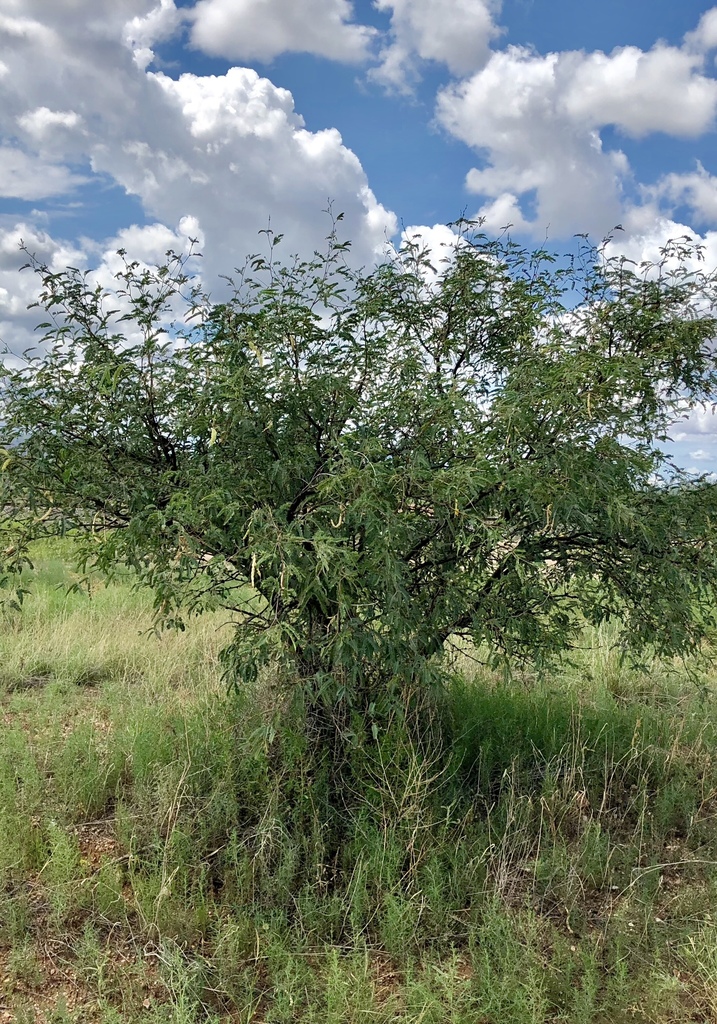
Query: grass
x=162, y=861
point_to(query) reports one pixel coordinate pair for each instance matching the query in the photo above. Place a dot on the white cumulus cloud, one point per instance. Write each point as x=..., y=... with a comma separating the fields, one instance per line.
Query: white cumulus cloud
x=536, y=121
x=704, y=37
x=53, y=134
x=144, y=30
x=147, y=245
x=42, y=120
x=24, y=176
x=696, y=190
x=229, y=151
x=647, y=230
x=696, y=424
x=639, y=92
x=18, y=290
x=546, y=170
x=157, y=24
x=457, y=33
x=436, y=245
x=262, y=29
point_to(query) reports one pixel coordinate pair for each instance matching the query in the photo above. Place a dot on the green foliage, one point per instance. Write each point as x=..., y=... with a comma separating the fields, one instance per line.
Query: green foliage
x=363, y=465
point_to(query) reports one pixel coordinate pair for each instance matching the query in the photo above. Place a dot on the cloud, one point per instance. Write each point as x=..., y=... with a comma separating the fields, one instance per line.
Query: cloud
x=696, y=190
x=144, y=30
x=661, y=90
x=537, y=120
x=24, y=176
x=262, y=29
x=456, y=33
x=696, y=424
x=436, y=243
x=147, y=245
x=704, y=37
x=18, y=290
x=701, y=455
x=503, y=212
x=159, y=23
x=647, y=230
x=545, y=170
x=228, y=150
x=53, y=135
x=238, y=155
x=439, y=240
x=41, y=121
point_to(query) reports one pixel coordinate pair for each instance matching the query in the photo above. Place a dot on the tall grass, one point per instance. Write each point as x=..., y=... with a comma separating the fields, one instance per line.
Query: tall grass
x=165, y=857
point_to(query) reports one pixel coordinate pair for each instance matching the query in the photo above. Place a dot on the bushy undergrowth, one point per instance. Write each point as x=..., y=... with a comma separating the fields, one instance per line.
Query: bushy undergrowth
x=535, y=850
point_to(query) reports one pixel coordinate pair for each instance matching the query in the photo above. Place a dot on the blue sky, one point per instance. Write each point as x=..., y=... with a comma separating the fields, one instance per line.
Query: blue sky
x=141, y=123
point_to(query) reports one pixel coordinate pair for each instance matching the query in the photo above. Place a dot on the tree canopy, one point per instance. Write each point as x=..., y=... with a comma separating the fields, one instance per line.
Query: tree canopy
x=364, y=465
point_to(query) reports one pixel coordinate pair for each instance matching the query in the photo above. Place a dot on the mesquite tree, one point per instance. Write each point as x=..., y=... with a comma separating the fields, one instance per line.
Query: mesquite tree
x=362, y=466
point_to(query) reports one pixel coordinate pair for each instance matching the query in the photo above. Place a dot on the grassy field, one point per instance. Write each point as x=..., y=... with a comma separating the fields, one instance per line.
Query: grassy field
x=165, y=858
